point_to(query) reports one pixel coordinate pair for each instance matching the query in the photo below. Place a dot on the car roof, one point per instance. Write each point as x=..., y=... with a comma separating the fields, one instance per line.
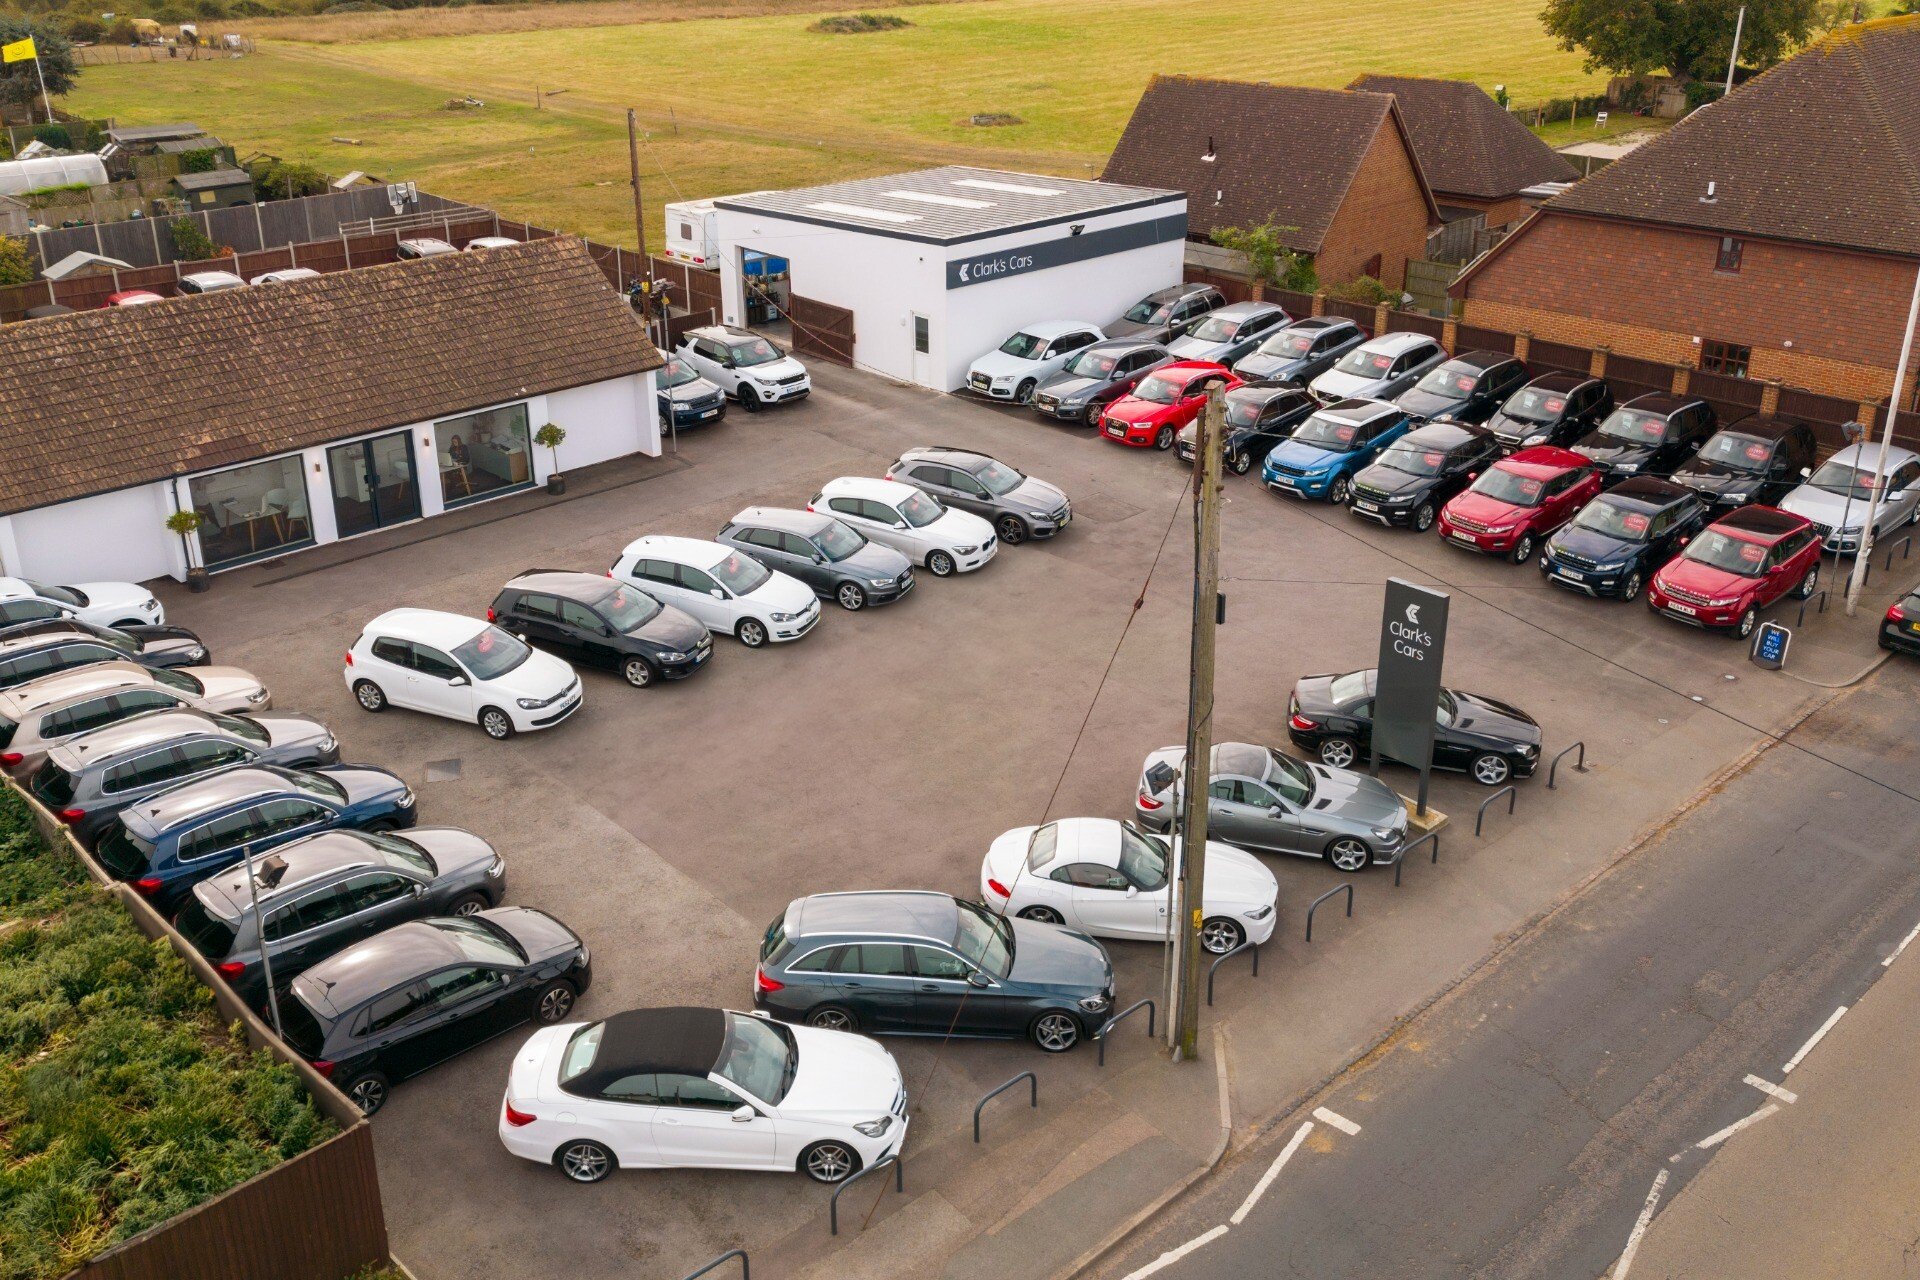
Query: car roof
x=13, y=588
x=388, y=959
x=1649, y=493
x=1764, y=426
x=1242, y=758
x=1442, y=435
x=1359, y=409
x=75, y=682
x=309, y=859
x=1560, y=381
x=1248, y=308
x=432, y=244
x=721, y=333
x=681, y=1040
x=1760, y=524
x=431, y=626
x=786, y=519
x=227, y=278
x=141, y=731
x=575, y=584
x=1660, y=403
x=1173, y=292
x=880, y=489
x=1482, y=360
x=697, y=553
x=1187, y=370
x=1261, y=392
x=203, y=795
x=952, y=455
x=1322, y=322
x=1054, y=328
x=1866, y=455
x=1086, y=840
x=904, y=912
x=28, y=641
x=1543, y=461
x=1395, y=343
x=1121, y=346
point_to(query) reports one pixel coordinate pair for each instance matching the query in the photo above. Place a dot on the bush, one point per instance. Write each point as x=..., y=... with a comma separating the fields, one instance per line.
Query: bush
x=281, y=180
x=16, y=267
x=1365, y=289
x=54, y=135
x=190, y=243
x=84, y=26
x=850, y=24
x=199, y=160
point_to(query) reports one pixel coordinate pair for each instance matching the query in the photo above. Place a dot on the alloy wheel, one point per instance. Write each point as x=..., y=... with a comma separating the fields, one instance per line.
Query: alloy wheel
x=1012, y=530
x=1338, y=753
x=369, y=1093
x=940, y=564
x=1810, y=583
x=1423, y=517
x=1631, y=591
x=637, y=672
x=1045, y=915
x=556, y=1002
x=370, y=696
x=1219, y=936
x=1747, y=620
x=850, y=597
x=831, y=1019
x=1056, y=1032
x=585, y=1162
x=1340, y=491
x=752, y=634
x=1491, y=770
x=1523, y=549
x=829, y=1162
x=1163, y=439
x=1349, y=854
x=749, y=399
x=1094, y=410
x=496, y=724
x=1241, y=462
x=471, y=905
x=1023, y=394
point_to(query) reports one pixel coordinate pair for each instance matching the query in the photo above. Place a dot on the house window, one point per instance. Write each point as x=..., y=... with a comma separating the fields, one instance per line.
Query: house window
x=251, y=512
x=1725, y=357
x=1728, y=258
x=483, y=454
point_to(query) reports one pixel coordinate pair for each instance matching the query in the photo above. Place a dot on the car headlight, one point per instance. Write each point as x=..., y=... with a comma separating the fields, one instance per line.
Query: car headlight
x=406, y=798
x=1850, y=531
x=1096, y=1004
x=328, y=742
x=965, y=551
x=1530, y=441
x=1001, y=380
x=787, y=617
x=874, y=1128
x=1258, y=913
x=1530, y=751
x=257, y=697
x=150, y=605
x=496, y=868
x=1727, y=603
x=1627, y=468
x=879, y=582
x=1386, y=833
x=1737, y=497
x=673, y=655
x=196, y=653
x=765, y=382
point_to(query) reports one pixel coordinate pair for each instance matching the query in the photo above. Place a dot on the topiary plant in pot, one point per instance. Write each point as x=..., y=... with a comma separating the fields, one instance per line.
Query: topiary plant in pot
x=186, y=524
x=550, y=438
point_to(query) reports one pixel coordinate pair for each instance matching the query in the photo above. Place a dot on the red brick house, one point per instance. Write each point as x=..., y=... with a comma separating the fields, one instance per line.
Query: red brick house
x=1337, y=166
x=1773, y=235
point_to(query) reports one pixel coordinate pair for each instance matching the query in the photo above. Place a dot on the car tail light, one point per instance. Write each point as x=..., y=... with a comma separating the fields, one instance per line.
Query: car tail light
x=519, y=1119
x=809, y=506
x=609, y=573
x=1301, y=723
x=72, y=815
x=230, y=968
x=490, y=614
x=763, y=984
x=324, y=1067
x=11, y=758
x=1148, y=803
x=149, y=885
x=349, y=657
x=1895, y=614
x=998, y=889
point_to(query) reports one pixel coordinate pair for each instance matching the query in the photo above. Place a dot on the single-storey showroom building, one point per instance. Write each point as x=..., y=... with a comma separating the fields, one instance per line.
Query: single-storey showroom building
x=941, y=266
x=300, y=413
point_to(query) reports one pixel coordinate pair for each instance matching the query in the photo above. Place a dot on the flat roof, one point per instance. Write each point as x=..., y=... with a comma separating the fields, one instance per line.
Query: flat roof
x=154, y=132
x=949, y=205
x=213, y=178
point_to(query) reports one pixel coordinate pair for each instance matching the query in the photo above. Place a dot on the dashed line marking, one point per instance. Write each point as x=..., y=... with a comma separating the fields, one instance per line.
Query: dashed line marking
x=1914, y=933
x=1172, y=1256
x=1266, y=1179
x=1772, y=1090
x=1815, y=1039
x=1337, y=1120
x=1639, y=1227
x=1715, y=1139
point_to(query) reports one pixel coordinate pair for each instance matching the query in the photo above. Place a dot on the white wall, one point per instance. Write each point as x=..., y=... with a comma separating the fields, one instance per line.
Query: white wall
x=111, y=537
x=604, y=420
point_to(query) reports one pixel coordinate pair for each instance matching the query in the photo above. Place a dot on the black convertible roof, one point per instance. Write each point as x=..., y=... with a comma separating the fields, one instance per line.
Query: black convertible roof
x=676, y=1041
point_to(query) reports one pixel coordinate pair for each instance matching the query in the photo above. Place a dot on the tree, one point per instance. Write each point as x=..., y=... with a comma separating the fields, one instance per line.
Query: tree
x=1684, y=38
x=18, y=83
x=190, y=243
x=16, y=263
x=1270, y=264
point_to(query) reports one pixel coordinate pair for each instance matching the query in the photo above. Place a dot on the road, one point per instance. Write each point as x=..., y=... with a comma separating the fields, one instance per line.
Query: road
x=1519, y=1126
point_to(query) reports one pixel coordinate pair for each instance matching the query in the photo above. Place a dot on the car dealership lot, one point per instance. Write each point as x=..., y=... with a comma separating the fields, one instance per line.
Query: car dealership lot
x=888, y=747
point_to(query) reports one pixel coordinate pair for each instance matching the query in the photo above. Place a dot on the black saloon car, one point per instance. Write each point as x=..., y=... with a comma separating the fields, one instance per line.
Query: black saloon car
x=1556, y=409
x=1411, y=481
x=1623, y=536
x=1096, y=377
x=1650, y=435
x=1900, y=629
x=588, y=618
x=829, y=556
x=157, y=647
x=1017, y=505
x=687, y=399
x=419, y=993
x=1757, y=459
x=1302, y=351
x=1332, y=716
x=904, y=962
x=1258, y=418
x=1165, y=314
x=1469, y=388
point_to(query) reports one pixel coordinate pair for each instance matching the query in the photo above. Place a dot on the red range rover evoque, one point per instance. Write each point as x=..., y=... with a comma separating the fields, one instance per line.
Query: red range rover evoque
x=1518, y=501
x=1166, y=400
x=1737, y=566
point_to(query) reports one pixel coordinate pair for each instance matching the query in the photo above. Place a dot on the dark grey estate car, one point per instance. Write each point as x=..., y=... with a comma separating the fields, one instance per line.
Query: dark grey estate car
x=1096, y=377
x=330, y=890
x=1302, y=351
x=904, y=962
x=1019, y=506
x=829, y=556
x=1165, y=314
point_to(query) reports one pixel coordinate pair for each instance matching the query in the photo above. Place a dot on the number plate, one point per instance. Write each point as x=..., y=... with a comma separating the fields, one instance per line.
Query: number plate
x=1914, y=627
x=711, y=413
x=1118, y=433
x=1466, y=538
x=1687, y=609
x=1365, y=506
x=1568, y=576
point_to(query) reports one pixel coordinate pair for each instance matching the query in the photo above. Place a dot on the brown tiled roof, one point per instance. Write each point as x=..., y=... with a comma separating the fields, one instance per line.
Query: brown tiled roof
x=1279, y=151
x=1823, y=149
x=1468, y=144
x=101, y=400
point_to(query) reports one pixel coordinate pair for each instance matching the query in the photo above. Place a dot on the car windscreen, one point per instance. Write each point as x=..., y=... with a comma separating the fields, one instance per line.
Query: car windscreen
x=759, y=1056
x=403, y=851
x=1143, y=859
x=1023, y=346
x=1147, y=311
x=1629, y=427
x=678, y=373
x=985, y=939
x=1510, y=487
x=1362, y=363
x=920, y=509
x=740, y=574
x=1737, y=452
x=1243, y=412
x=1845, y=479
x=752, y=352
x=1614, y=520
x=241, y=727
x=1290, y=778
x=1093, y=364
x=626, y=609
x=481, y=941
x=999, y=478
x=1159, y=390
x=1451, y=380
x=53, y=786
x=47, y=591
x=1724, y=551
x=1288, y=343
x=838, y=541
x=491, y=654
x=179, y=681
x=1323, y=431
x=211, y=936
x=1216, y=328
x=1531, y=404
x=1414, y=459
x=123, y=853
x=317, y=784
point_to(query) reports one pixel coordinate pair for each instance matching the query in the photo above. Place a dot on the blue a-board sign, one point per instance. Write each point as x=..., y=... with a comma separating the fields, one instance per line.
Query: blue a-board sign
x=1770, y=646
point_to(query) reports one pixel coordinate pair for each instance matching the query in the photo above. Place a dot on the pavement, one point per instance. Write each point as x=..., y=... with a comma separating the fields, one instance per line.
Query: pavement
x=888, y=748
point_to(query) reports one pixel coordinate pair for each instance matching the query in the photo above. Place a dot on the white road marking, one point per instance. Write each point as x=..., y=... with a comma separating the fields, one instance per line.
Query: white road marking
x=1266, y=1179
x=1902, y=947
x=1772, y=1090
x=1817, y=1037
x=1172, y=1256
x=1715, y=1139
x=1639, y=1227
x=1337, y=1120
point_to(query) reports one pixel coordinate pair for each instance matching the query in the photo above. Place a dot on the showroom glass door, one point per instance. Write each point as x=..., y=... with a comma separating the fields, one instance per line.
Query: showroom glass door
x=373, y=483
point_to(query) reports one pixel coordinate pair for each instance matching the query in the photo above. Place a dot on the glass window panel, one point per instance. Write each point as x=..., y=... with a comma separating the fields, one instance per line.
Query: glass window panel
x=251, y=511
x=484, y=454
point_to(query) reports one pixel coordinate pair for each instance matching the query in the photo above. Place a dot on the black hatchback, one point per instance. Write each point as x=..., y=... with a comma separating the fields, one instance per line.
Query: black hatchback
x=152, y=646
x=1758, y=459
x=1259, y=416
x=1469, y=388
x=1650, y=435
x=1622, y=537
x=589, y=618
x=1409, y=483
x=419, y=993
x=1555, y=409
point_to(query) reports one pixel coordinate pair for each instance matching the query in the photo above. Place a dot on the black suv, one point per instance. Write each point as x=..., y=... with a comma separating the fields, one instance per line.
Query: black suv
x=1302, y=351
x=1165, y=314
x=1557, y=409
x=1757, y=459
x=154, y=645
x=1412, y=480
x=686, y=399
x=1469, y=388
x=1018, y=506
x=1096, y=377
x=1258, y=418
x=1649, y=435
x=584, y=617
x=829, y=556
x=1621, y=538
x=910, y=962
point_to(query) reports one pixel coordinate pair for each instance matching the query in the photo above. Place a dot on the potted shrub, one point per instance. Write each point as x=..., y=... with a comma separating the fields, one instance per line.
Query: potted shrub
x=550, y=437
x=186, y=524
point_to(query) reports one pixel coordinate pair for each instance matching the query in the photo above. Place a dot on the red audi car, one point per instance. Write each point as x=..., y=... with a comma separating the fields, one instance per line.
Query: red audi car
x=1518, y=501
x=1740, y=564
x=1166, y=400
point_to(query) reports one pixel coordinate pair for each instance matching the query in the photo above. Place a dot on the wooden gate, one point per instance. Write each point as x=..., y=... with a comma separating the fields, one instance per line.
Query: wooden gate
x=821, y=330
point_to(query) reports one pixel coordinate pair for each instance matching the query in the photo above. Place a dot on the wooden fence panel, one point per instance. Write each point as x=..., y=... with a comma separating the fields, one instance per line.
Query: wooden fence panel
x=1358, y=312
x=1731, y=398
x=1232, y=288
x=1469, y=337
x=1544, y=356
x=1415, y=322
x=1298, y=305
x=1632, y=376
x=821, y=330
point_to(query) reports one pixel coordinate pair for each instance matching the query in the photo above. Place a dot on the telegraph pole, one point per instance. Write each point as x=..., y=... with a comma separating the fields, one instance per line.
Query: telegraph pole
x=1858, y=578
x=1184, y=1019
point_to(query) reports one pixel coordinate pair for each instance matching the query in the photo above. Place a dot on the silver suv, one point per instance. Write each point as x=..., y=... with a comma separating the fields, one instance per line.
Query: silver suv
x=829, y=556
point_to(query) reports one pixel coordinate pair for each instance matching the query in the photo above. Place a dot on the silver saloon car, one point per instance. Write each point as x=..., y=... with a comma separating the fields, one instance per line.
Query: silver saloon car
x=1268, y=802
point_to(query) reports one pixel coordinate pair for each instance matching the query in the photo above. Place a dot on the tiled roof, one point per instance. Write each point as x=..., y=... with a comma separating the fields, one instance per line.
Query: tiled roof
x=1278, y=151
x=101, y=400
x=1468, y=144
x=212, y=178
x=1822, y=148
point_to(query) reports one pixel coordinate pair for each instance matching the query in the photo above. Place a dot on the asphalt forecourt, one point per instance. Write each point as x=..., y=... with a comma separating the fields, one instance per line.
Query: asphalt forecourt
x=887, y=749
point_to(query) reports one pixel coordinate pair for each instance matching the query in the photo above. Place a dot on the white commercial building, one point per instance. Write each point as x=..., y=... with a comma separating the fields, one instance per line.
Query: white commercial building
x=940, y=266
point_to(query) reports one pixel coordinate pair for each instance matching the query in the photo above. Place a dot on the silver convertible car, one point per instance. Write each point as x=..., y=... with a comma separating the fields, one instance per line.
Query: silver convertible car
x=1268, y=802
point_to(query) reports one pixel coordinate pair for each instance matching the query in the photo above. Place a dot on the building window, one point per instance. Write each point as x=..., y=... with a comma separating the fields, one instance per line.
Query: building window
x=251, y=512
x=483, y=454
x=1728, y=258
x=1725, y=357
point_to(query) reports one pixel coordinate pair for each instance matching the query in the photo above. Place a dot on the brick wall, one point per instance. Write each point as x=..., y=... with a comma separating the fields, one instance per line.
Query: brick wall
x=1385, y=212
x=1499, y=212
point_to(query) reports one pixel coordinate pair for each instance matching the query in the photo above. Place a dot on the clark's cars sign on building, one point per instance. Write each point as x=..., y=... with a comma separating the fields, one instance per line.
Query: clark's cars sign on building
x=999, y=264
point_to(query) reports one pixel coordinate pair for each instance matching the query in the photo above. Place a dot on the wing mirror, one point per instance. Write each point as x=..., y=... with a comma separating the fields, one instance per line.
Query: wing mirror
x=743, y=1114
x=1276, y=811
x=818, y=558
x=1133, y=891
x=979, y=979
x=899, y=524
x=718, y=594
x=418, y=891
x=1805, y=472
x=458, y=682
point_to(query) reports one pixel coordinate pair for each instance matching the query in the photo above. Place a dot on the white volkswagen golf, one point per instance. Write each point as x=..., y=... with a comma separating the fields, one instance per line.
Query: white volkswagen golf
x=104, y=604
x=723, y=588
x=462, y=668
x=1112, y=880
x=685, y=1088
x=909, y=519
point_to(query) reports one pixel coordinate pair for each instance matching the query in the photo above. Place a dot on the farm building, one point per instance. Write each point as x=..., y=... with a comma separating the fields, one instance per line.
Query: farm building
x=925, y=272
x=309, y=411
x=215, y=189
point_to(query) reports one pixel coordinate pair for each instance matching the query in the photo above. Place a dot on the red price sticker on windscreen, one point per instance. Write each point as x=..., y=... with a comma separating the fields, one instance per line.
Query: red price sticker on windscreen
x=1555, y=406
x=1345, y=435
x=1382, y=362
x=1635, y=523
x=1752, y=554
x=484, y=642
x=1652, y=427
x=1530, y=489
x=1757, y=452
x=1433, y=459
x=1463, y=384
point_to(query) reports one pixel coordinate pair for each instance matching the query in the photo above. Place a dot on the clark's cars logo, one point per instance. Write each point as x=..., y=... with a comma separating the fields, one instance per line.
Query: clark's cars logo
x=965, y=267
x=1005, y=264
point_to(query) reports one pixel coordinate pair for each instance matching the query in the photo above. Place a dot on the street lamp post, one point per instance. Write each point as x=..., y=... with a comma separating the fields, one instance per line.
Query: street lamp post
x=260, y=926
x=1859, y=576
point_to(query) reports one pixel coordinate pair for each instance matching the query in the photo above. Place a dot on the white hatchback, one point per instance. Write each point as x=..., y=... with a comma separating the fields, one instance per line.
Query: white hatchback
x=104, y=604
x=910, y=520
x=722, y=587
x=450, y=665
x=689, y=1088
x=1029, y=357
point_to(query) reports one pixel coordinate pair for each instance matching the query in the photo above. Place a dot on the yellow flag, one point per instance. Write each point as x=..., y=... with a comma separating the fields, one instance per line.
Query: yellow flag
x=19, y=51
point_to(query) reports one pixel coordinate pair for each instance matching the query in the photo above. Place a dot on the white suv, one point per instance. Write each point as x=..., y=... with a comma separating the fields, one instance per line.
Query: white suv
x=1029, y=358
x=104, y=604
x=722, y=587
x=462, y=668
x=910, y=520
x=744, y=365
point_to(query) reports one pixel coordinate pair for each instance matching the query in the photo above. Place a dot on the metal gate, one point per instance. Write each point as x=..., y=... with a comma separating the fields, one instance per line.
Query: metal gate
x=821, y=330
